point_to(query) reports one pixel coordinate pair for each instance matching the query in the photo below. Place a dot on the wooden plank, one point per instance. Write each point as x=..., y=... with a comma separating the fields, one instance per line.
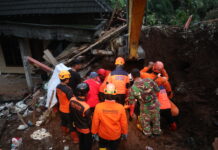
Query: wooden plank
x=24, y=48
x=50, y=57
x=46, y=59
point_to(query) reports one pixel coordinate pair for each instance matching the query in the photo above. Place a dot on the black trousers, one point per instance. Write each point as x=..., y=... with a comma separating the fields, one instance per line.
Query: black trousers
x=85, y=141
x=109, y=144
x=120, y=98
x=166, y=113
x=66, y=121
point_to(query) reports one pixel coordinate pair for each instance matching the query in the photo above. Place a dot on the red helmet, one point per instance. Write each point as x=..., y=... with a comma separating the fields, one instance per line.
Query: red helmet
x=158, y=66
x=101, y=71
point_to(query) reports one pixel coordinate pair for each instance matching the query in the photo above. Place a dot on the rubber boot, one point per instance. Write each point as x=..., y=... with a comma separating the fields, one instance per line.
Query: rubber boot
x=74, y=137
x=65, y=130
x=173, y=126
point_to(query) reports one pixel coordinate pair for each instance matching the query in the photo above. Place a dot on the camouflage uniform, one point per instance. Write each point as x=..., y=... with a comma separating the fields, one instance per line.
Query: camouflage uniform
x=144, y=91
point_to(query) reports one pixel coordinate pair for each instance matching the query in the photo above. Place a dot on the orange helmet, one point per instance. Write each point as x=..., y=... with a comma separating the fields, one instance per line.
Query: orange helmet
x=119, y=61
x=110, y=89
x=158, y=66
x=64, y=74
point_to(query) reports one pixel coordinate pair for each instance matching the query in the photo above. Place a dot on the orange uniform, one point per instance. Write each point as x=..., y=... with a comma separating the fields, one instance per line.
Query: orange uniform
x=64, y=94
x=163, y=99
x=160, y=81
x=120, y=79
x=109, y=120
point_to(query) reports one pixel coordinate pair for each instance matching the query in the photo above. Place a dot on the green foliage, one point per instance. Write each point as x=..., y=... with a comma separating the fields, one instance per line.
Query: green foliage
x=118, y=3
x=174, y=12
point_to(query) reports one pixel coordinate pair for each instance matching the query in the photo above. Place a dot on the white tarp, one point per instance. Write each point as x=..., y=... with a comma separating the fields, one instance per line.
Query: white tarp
x=53, y=82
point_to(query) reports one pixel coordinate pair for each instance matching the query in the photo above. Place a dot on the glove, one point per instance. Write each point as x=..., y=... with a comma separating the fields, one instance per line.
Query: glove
x=124, y=136
x=95, y=137
x=132, y=108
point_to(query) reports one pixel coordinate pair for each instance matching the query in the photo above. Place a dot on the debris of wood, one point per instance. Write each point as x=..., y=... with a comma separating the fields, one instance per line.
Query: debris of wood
x=21, y=118
x=102, y=52
x=101, y=40
x=50, y=57
x=48, y=111
x=87, y=64
x=84, y=72
x=112, y=16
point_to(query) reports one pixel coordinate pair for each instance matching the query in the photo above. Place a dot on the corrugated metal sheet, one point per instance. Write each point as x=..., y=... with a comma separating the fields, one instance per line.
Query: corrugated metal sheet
x=27, y=7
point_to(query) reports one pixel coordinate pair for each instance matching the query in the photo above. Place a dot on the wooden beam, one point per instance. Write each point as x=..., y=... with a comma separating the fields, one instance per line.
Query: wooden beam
x=24, y=50
x=51, y=58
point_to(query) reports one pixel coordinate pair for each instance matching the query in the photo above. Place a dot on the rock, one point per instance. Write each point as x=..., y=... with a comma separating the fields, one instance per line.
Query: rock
x=38, y=123
x=22, y=127
x=148, y=148
x=66, y=148
x=181, y=88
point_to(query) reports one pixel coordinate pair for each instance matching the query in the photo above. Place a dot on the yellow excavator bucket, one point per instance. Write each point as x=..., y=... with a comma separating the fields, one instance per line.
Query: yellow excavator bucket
x=136, y=13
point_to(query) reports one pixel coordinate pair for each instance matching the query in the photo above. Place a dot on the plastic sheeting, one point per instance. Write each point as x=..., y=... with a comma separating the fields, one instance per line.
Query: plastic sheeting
x=53, y=82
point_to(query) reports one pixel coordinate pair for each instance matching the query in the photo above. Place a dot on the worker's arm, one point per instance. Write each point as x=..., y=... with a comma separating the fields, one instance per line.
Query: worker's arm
x=144, y=73
x=123, y=122
x=69, y=93
x=132, y=99
x=165, y=74
x=88, y=115
x=155, y=87
x=95, y=121
x=168, y=88
x=145, y=69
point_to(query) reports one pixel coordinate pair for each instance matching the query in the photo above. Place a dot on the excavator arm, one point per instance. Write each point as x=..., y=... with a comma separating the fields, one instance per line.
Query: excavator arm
x=136, y=13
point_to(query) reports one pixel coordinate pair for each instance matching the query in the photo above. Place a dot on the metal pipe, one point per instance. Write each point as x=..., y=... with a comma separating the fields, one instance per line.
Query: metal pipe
x=39, y=64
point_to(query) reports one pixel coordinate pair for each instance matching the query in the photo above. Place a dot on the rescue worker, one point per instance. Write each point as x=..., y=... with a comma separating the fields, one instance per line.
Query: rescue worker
x=103, y=74
x=109, y=121
x=120, y=79
x=165, y=108
x=156, y=72
x=92, y=97
x=75, y=76
x=64, y=94
x=81, y=114
x=144, y=91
